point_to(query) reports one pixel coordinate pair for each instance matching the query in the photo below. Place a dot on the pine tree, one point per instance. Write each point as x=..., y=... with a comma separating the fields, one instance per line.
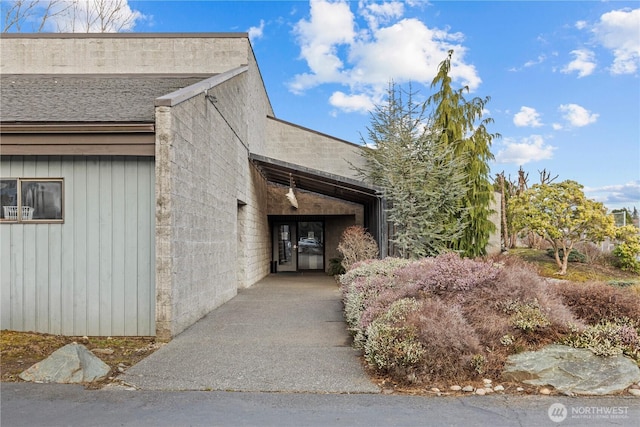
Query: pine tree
x=421, y=179
x=460, y=125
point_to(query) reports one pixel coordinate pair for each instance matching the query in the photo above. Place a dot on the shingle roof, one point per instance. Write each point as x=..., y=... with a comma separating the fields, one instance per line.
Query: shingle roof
x=49, y=98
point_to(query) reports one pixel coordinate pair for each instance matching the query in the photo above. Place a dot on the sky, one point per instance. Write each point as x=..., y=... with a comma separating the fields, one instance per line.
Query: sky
x=563, y=77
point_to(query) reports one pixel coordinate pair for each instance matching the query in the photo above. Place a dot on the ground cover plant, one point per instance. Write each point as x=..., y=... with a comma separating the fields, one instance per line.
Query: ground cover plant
x=446, y=319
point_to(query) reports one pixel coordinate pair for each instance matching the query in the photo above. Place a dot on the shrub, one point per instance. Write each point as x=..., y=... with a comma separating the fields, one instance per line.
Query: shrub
x=392, y=344
x=596, y=301
x=358, y=298
x=356, y=245
x=574, y=255
x=591, y=251
x=521, y=294
x=368, y=268
x=609, y=338
x=527, y=316
x=335, y=267
x=628, y=250
x=450, y=342
x=447, y=273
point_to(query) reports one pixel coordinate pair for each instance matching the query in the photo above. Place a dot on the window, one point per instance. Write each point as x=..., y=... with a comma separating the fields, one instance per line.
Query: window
x=31, y=199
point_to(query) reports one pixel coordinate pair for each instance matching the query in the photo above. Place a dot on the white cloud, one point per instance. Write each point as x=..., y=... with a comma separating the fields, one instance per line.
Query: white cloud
x=352, y=103
x=256, y=32
x=539, y=60
x=618, y=31
x=581, y=25
x=380, y=13
x=584, y=63
x=385, y=47
x=527, y=117
x=530, y=149
x=619, y=195
x=576, y=115
x=331, y=25
x=93, y=16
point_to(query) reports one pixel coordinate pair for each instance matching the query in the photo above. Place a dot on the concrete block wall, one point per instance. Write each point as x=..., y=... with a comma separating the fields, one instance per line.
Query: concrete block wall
x=212, y=225
x=254, y=244
x=304, y=147
x=123, y=53
x=197, y=176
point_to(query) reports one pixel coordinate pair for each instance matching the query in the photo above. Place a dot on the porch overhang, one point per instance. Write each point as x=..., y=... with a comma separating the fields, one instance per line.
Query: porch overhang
x=316, y=181
x=344, y=188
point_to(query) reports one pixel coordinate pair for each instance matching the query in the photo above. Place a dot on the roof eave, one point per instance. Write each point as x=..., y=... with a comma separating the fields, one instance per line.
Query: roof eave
x=75, y=128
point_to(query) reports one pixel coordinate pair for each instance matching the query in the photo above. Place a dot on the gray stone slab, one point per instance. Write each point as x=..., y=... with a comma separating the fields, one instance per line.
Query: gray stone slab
x=285, y=333
x=70, y=364
x=572, y=370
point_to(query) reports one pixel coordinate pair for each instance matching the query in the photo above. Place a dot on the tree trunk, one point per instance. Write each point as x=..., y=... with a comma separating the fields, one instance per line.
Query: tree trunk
x=505, y=230
x=565, y=258
x=556, y=254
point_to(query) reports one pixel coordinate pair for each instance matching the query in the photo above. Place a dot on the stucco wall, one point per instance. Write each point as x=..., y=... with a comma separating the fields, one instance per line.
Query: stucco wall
x=123, y=53
x=304, y=147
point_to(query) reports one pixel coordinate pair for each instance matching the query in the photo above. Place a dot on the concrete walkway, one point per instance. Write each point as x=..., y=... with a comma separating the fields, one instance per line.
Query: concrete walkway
x=286, y=333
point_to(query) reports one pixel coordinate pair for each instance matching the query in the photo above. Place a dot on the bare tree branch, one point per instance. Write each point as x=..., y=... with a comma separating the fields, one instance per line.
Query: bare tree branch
x=70, y=15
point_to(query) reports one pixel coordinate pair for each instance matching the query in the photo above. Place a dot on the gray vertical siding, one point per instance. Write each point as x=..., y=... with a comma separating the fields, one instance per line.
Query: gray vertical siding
x=95, y=273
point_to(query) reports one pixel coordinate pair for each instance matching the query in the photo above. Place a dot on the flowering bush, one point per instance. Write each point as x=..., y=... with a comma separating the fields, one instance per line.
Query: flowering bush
x=357, y=299
x=448, y=273
x=392, y=344
x=378, y=267
x=609, y=338
x=448, y=318
x=527, y=316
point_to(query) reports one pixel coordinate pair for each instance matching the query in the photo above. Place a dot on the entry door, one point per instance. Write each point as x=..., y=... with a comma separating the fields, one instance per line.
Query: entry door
x=285, y=248
x=311, y=245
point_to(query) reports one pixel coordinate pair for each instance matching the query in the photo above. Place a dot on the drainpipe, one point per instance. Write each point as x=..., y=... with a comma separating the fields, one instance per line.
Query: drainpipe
x=383, y=238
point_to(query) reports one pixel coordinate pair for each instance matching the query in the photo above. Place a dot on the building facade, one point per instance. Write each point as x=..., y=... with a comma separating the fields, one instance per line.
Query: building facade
x=144, y=180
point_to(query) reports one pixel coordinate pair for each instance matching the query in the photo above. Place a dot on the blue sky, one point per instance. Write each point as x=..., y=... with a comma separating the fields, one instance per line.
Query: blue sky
x=563, y=77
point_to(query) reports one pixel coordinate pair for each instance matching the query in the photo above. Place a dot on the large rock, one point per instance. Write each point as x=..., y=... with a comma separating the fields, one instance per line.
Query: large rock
x=572, y=370
x=72, y=363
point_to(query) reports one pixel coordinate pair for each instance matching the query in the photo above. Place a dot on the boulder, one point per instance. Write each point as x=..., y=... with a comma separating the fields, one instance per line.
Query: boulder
x=73, y=363
x=572, y=370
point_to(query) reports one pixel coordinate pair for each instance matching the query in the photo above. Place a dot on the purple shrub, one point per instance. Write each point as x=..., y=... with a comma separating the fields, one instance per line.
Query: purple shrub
x=447, y=273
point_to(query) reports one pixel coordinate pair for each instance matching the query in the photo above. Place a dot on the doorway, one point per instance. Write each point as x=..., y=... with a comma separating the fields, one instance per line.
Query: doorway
x=298, y=245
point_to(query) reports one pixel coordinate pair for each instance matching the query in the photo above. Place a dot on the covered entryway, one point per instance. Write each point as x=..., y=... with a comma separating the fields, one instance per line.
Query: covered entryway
x=305, y=233
x=298, y=245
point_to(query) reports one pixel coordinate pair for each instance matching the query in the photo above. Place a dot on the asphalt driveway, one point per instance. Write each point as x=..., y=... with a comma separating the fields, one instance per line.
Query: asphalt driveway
x=286, y=334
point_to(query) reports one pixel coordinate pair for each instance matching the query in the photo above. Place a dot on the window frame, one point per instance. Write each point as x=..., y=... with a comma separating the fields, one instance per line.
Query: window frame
x=19, y=184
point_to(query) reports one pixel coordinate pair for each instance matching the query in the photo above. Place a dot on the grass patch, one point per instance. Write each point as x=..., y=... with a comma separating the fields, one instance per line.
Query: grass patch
x=576, y=272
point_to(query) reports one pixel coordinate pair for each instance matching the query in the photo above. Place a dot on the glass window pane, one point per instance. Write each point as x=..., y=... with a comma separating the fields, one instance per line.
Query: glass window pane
x=41, y=199
x=8, y=198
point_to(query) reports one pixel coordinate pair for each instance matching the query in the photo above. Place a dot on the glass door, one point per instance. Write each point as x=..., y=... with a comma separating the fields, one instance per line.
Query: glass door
x=311, y=245
x=284, y=247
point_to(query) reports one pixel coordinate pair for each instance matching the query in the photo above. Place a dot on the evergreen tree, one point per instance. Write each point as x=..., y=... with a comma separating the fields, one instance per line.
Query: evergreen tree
x=459, y=124
x=421, y=179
